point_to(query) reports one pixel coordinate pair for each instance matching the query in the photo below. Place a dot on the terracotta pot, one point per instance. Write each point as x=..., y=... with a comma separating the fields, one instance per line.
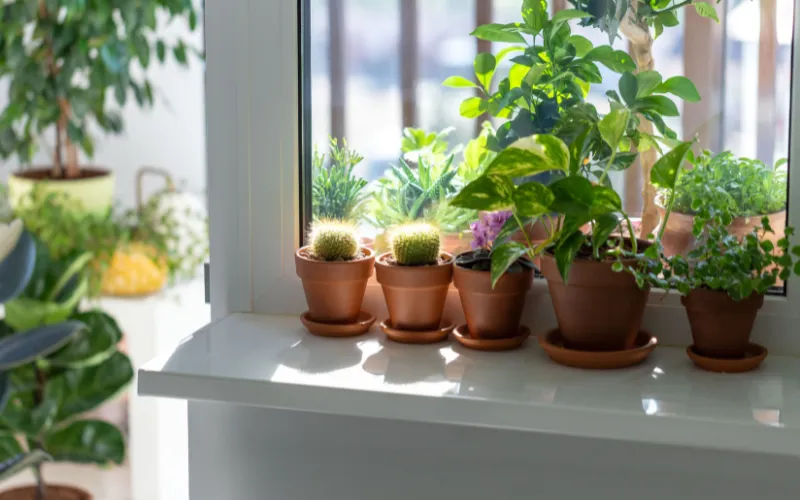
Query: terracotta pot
x=678, y=237
x=93, y=190
x=599, y=310
x=721, y=327
x=54, y=492
x=492, y=313
x=415, y=295
x=334, y=290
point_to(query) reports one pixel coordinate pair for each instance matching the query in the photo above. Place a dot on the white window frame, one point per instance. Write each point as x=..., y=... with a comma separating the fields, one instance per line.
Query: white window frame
x=253, y=126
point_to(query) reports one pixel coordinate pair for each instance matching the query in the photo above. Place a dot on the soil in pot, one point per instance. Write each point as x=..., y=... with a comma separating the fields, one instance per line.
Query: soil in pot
x=334, y=290
x=721, y=327
x=54, y=492
x=415, y=295
x=93, y=188
x=492, y=313
x=599, y=309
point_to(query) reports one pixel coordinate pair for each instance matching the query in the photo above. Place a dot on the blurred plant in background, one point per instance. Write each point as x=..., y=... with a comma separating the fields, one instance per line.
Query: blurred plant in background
x=337, y=193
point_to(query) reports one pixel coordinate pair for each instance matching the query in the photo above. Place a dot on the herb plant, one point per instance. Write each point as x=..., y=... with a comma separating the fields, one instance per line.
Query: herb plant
x=736, y=187
x=337, y=193
x=63, y=60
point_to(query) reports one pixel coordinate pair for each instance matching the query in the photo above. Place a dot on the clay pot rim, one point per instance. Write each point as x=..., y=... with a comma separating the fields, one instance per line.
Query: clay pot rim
x=76, y=489
x=449, y=261
x=530, y=268
x=370, y=255
x=660, y=206
x=97, y=172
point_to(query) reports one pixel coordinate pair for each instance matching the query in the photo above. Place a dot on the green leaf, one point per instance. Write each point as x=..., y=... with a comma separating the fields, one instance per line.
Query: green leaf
x=473, y=107
x=514, y=162
x=706, y=10
x=21, y=461
x=485, y=64
x=565, y=15
x=605, y=200
x=503, y=256
x=551, y=152
x=81, y=390
x=679, y=86
x=508, y=50
x=91, y=346
x=628, y=87
x=87, y=442
x=26, y=314
x=9, y=446
x=512, y=227
x=660, y=104
x=604, y=225
x=532, y=199
x=24, y=417
x=572, y=195
x=458, y=82
x=534, y=13
x=179, y=51
x=647, y=82
x=566, y=252
x=485, y=193
x=613, y=126
x=581, y=43
x=618, y=61
x=498, y=33
x=161, y=51
x=666, y=171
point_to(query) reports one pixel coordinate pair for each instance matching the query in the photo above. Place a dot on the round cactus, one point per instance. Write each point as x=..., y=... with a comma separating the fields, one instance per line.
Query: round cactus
x=331, y=241
x=416, y=245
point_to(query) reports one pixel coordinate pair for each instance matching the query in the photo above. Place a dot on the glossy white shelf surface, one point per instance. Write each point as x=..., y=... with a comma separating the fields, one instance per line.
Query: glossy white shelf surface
x=272, y=361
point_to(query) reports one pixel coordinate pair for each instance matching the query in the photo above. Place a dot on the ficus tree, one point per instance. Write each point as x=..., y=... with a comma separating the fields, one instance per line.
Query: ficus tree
x=71, y=64
x=641, y=21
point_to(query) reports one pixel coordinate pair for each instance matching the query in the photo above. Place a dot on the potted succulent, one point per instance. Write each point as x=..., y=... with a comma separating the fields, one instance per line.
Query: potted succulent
x=59, y=363
x=336, y=192
x=493, y=301
x=743, y=191
x=334, y=270
x=62, y=61
x=415, y=277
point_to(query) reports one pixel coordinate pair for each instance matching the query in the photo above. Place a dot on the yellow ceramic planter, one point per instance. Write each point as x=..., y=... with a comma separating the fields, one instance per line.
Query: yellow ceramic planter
x=95, y=193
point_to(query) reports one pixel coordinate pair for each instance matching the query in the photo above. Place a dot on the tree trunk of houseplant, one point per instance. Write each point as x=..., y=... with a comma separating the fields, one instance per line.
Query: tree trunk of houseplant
x=642, y=52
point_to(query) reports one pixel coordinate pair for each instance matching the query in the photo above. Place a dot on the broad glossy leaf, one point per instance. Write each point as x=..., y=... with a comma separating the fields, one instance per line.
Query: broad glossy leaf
x=5, y=389
x=582, y=44
x=616, y=60
x=647, y=82
x=18, y=463
x=680, y=86
x=534, y=13
x=706, y=10
x=666, y=171
x=458, y=82
x=604, y=225
x=531, y=155
x=84, y=389
x=498, y=33
x=24, y=417
x=92, y=345
x=532, y=199
x=572, y=195
x=9, y=447
x=25, y=314
x=25, y=347
x=17, y=268
x=605, y=200
x=566, y=251
x=565, y=15
x=628, y=88
x=485, y=64
x=473, y=107
x=613, y=126
x=87, y=442
x=503, y=256
x=662, y=105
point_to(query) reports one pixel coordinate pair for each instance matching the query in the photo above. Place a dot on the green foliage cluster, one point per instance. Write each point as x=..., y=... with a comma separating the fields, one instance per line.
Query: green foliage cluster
x=49, y=394
x=337, y=193
x=721, y=261
x=333, y=241
x=64, y=58
x=735, y=187
x=416, y=244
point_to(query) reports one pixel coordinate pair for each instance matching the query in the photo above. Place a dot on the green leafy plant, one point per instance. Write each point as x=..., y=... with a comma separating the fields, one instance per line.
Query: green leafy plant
x=60, y=363
x=63, y=60
x=416, y=244
x=333, y=241
x=337, y=193
x=735, y=187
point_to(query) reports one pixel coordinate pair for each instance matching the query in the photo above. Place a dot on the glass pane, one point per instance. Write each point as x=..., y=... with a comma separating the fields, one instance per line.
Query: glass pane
x=377, y=71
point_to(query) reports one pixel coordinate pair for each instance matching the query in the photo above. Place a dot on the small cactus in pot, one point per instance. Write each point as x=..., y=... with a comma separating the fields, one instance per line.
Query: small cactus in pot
x=334, y=271
x=415, y=277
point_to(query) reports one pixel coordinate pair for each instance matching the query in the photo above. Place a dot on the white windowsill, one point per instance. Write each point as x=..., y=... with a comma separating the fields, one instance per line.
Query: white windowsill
x=271, y=361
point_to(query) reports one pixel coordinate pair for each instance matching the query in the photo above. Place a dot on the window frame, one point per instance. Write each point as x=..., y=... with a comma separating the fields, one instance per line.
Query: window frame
x=253, y=88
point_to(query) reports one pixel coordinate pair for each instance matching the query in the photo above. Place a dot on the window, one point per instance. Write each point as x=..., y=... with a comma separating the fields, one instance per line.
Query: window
x=365, y=70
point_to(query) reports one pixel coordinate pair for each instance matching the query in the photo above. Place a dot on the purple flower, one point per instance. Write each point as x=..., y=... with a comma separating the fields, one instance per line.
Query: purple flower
x=487, y=227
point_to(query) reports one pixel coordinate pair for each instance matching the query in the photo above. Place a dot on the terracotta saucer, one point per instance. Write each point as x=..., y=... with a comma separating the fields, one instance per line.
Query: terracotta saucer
x=553, y=345
x=360, y=327
x=752, y=359
x=463, y=336
x=417, y=336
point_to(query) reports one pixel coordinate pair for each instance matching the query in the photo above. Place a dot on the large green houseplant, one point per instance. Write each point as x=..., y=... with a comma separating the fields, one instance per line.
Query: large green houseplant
x=59, y=362
x=70, y=67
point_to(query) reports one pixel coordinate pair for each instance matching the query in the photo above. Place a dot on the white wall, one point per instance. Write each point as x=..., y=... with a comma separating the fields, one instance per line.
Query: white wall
x=171, y=135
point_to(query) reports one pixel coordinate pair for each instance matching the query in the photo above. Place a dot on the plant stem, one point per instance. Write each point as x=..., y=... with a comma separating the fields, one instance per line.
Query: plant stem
x=527, y=238
x=608, y=165
x=38, y=399
x=674, y=7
